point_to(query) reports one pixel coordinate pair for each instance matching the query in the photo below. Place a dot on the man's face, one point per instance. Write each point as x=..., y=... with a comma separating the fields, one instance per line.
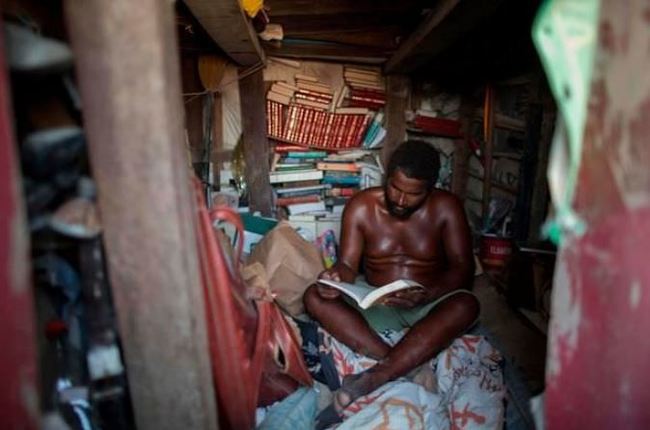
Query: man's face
x=404, y=195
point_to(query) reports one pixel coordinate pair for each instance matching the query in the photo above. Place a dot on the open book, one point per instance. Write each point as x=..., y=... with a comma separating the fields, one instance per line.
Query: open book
x=367, y=296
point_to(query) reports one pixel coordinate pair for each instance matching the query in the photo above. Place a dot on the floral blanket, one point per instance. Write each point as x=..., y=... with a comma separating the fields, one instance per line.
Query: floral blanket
x=460, y=389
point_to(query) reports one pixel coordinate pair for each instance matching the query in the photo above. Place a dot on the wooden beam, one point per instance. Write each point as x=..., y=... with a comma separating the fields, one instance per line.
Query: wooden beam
x=128, y=72
x=327, y=52
x=335, y=7
x=256, y=146
x=397, y=93
x=309, y=24
x=384, y=39
x=446, y=22
x=228, y=25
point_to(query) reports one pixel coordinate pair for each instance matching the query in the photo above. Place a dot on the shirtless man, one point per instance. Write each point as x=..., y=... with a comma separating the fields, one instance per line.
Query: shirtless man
x=406, y=229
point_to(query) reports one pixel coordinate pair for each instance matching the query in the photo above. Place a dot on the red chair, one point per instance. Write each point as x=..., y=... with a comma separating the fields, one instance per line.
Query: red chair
x=255, y=355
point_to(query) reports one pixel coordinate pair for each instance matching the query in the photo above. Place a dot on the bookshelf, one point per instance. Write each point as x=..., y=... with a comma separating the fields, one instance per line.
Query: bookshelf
x=323, y=142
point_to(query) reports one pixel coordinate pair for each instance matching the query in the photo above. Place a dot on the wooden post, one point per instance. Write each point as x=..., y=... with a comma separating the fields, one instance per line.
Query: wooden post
x=488, y=111
x=396, y=104
x=256, y=146
x=217, y=157
x=539, y=199
x=128, y=72
x=462, y=152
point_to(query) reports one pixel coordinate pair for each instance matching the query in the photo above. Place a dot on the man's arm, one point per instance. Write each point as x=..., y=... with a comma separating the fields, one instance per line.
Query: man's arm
x=351, y=247
x=457, y=245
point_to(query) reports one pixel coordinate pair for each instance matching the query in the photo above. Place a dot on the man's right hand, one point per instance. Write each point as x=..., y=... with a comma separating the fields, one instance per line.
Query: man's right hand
x=325, y=291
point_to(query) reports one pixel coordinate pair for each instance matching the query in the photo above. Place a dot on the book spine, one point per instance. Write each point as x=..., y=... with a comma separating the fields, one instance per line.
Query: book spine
x=314, y=96
x=327, y=124
x=286, y=201
x=357, y=140
x=317, y=128
x=311, y=114
x=300, y=129
x=368, y=99
x=349, y=128
x=291, y=123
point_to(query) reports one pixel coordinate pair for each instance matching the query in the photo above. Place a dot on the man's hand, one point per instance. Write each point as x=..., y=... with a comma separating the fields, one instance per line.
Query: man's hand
x=407, y=298
x=324, y=291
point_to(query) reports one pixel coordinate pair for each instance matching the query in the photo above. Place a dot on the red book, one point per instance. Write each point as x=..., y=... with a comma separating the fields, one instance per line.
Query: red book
x=289, y=148
x=300, y=125
x=313, y=98
x=440, y=126
x=341, y=192
x=285, y=201
x=324, y=139
x=290, y=123
x=320, y=125
x=309, y=126
x=361, y=131
x=368, y=94
x=336, y=131
x=363, y=104
x=351, y=127
x=368, y=99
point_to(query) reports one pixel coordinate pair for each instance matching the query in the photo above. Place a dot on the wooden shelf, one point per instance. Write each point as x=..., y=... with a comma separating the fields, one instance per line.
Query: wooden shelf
x=504, y=121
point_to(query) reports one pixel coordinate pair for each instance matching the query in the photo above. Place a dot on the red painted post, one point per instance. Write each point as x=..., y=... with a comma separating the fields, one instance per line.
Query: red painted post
x=18, y=390
x=598, y=375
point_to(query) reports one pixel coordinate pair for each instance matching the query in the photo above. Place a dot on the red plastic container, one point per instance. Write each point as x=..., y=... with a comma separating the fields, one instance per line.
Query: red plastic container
x=495, y=251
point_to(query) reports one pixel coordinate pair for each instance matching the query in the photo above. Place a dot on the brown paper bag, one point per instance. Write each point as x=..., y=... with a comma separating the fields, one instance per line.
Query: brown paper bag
x=292, y=264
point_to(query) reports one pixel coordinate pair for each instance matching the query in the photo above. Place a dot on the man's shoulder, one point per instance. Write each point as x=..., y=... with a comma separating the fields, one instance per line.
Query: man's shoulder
x=365, y=198
x=445, y=202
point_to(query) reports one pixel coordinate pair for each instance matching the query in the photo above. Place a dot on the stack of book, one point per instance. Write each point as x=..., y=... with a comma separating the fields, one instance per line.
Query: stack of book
x=313, y=185
x=364, y=88
x=428, y=122
x=376, y=132
x=296, y=180
x=315, y=126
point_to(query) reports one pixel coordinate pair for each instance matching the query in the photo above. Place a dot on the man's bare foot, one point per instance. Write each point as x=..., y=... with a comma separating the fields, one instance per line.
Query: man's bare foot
x=353, y=387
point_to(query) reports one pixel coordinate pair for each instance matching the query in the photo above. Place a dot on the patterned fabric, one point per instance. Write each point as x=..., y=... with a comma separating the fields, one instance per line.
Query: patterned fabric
x=464, y=388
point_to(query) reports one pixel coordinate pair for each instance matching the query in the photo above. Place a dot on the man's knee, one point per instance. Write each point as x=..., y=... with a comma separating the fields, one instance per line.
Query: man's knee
x=311, y=299
x=464, y=308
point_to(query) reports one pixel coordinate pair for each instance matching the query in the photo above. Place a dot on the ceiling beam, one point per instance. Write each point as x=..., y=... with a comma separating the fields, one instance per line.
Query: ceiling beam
x=333, y=7
x=380, y=38
x=327, y=52
x=226, y=23
x=309, y=24
x=444, y=24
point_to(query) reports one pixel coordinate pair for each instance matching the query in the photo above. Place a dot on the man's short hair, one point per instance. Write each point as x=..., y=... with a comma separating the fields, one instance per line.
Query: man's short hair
x=417, y=160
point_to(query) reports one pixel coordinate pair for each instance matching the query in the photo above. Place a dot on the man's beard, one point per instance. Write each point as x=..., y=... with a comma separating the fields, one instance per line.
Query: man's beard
x=397, y=211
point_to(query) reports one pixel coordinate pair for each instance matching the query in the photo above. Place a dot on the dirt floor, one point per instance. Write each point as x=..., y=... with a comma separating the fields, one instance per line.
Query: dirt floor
x=522, y=343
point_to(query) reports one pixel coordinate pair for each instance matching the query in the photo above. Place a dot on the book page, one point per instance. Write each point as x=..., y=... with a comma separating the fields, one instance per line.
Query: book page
x=357, y=292
x=386, y=290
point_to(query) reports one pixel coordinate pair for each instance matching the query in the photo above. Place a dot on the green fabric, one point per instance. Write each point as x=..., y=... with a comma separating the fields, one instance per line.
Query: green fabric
x=565, y=33
x=382, y=318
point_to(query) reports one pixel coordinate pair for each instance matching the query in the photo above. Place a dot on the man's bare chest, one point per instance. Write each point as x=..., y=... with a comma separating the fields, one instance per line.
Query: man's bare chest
x=419, y=240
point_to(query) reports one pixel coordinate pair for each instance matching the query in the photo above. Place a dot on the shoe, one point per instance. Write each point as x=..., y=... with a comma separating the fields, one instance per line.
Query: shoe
x=77, y=218
x=47, y=152
x=28, y=51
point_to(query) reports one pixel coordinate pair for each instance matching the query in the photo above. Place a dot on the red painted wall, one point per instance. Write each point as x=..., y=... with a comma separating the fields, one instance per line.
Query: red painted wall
x=598, y=371
x=18, y=390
